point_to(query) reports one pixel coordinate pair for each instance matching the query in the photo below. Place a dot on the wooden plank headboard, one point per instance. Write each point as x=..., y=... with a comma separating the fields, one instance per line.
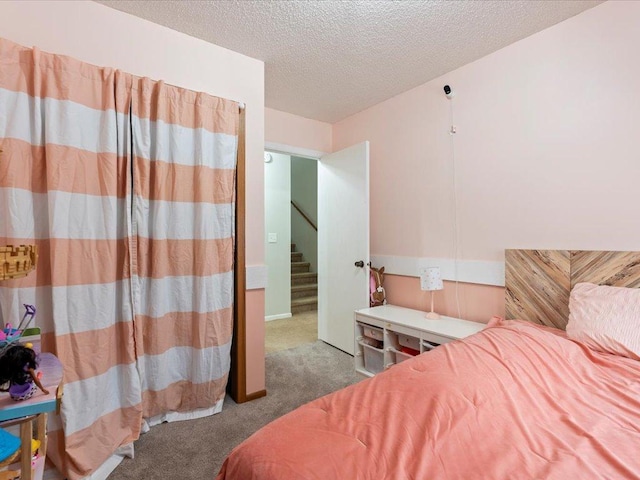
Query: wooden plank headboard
x=538, y=282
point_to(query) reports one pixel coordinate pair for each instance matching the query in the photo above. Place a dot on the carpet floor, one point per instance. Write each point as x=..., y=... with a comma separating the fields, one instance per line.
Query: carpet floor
x=291, y=332
x=196, y=449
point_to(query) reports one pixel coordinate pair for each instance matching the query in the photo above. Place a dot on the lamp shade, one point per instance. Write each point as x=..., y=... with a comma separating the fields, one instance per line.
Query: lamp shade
x=434, y=279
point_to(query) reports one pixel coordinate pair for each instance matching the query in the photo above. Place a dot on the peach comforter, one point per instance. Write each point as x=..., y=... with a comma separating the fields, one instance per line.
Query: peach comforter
x=515, y=401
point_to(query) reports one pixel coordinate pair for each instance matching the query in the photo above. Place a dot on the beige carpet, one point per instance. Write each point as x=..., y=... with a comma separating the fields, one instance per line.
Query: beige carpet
x=300, y=329
x=195, y=449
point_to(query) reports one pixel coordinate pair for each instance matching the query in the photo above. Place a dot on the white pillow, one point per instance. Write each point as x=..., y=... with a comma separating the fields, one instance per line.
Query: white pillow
x=605, y=318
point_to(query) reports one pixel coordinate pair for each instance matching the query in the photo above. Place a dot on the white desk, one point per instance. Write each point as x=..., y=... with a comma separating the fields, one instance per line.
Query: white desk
x=398, y=327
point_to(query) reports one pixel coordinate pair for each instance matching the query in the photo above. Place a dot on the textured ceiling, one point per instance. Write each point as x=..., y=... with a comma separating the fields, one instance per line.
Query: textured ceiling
x=329, y=59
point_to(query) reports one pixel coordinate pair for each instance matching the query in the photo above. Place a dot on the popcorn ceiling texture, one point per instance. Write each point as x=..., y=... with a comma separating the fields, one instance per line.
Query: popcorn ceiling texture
x=327, y=60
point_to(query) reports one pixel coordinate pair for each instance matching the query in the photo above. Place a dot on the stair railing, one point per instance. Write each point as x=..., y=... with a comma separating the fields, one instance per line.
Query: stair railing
x=309, y=221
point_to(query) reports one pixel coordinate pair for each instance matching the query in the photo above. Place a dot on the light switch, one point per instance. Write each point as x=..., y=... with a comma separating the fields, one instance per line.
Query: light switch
x=272, y=238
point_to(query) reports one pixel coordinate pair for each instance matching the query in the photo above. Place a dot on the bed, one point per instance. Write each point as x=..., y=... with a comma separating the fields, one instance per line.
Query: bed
x=521, y=399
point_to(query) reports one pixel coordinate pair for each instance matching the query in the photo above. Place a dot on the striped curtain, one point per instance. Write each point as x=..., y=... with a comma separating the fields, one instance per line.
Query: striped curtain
x=184, y=157
x=134, y=282
x=63, y=184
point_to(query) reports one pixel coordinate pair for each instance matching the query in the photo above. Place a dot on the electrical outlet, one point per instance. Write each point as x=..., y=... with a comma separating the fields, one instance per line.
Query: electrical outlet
x=272, y=238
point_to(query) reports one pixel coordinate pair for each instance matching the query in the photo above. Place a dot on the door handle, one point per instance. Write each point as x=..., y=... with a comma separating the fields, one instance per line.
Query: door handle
x=359, y=263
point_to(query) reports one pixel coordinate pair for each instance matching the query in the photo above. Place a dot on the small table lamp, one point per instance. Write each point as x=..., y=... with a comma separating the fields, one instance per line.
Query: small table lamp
x=432, y=283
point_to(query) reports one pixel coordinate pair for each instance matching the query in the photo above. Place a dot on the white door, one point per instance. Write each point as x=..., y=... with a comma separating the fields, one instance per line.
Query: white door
x=343, y=240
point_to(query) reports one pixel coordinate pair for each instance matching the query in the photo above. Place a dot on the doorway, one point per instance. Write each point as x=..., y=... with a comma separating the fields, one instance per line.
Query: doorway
x=343, y=238
x=291, y=296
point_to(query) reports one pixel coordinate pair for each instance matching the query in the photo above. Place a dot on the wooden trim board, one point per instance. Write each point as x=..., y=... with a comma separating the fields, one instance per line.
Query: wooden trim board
x=237, y=385
x=618, y=269
x=538, y=282
x=256, y=395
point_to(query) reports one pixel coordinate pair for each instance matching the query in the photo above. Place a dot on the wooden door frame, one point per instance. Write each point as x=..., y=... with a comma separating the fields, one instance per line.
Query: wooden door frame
x=237, y=384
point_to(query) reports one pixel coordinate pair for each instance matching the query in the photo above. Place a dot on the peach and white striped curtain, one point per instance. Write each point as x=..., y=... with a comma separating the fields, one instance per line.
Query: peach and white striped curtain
x=64, y=183
x=134, y=284
x=184, y=151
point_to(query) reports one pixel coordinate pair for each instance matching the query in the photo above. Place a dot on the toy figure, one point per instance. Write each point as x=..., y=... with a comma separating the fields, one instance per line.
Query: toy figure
x=18, y=362
x=18, y=367
x=377, y=294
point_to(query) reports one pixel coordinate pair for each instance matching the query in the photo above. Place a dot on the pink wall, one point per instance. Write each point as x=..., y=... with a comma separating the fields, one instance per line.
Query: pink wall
x=546, y=152
x=294, y=131
x=477, y=302
x=255, y=340
x=100, y=35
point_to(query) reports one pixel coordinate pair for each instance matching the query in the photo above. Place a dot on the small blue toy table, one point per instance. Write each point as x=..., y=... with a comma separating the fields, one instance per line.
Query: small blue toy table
x=35, y=409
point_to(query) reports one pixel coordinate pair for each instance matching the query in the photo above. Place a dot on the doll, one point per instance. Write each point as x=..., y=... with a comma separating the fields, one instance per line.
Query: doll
x=377, y=294
x=18, y=367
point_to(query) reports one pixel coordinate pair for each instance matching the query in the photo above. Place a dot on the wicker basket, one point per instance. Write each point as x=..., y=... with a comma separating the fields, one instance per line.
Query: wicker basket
x=17, y=262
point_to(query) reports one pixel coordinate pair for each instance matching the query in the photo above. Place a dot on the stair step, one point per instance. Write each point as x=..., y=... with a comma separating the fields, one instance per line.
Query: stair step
x=303, y=278
x=304, y=301
x=300, y=267
x=304, y=290
x=304, y=284
x=304, y=304
x=303, y=287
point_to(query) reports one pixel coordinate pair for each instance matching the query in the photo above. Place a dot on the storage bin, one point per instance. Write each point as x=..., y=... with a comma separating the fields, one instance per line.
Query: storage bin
x=372, y=332
x=370, y=341
x=401, y=356
x=373, y=358
x=429, y=345
x=410, y=351
x=409, y=341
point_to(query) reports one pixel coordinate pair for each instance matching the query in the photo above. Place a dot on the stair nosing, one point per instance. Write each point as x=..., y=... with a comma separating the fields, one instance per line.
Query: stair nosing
x=304, y=301
x=304, y=286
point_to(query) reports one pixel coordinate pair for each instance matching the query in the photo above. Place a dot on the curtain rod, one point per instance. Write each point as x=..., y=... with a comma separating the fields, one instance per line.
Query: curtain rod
x=241, y=105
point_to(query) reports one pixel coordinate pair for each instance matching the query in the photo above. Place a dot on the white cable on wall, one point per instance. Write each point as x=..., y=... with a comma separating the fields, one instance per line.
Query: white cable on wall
x=452, y=133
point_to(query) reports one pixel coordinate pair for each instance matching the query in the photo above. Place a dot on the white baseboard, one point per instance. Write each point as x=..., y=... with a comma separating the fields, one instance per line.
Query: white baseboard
x=268, y=318
x=482, y=272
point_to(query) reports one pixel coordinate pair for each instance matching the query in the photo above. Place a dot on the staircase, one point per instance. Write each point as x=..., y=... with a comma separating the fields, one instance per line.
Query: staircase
x=304, y=284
